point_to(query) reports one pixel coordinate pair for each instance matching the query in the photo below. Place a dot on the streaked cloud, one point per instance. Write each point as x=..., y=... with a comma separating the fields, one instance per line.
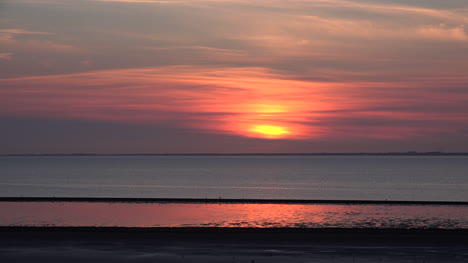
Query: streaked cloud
x=237, y=100
x=9, y=40
x=6, y=56
x=305, y=70
x=12, y=31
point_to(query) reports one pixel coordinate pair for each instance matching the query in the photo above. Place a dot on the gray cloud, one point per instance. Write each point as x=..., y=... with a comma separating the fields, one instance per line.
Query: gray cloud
x=342, y=35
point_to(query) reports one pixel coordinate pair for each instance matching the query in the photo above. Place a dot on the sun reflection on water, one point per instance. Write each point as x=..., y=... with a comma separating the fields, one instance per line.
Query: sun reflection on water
x=232, y=215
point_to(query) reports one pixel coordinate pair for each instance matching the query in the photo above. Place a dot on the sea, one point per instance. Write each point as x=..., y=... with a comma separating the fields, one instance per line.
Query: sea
x=272, y=177
x=393, y=178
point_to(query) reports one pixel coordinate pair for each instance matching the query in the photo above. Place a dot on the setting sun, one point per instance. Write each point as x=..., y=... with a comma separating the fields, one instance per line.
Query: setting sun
x=269, y=131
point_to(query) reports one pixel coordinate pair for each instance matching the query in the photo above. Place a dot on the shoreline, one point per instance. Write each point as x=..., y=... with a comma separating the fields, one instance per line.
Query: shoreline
x=462, y=232
x=330, y=230
x=224, y=201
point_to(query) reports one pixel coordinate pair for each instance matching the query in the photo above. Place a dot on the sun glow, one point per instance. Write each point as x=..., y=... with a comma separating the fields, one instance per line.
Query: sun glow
x=275, y=119
x=269, y=131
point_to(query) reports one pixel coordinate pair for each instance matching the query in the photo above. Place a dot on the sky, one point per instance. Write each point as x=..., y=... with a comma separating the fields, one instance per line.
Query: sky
x=233, y=76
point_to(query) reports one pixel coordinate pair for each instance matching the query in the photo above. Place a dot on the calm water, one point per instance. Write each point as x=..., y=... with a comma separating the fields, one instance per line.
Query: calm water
x=278, y=177
x=232, y=215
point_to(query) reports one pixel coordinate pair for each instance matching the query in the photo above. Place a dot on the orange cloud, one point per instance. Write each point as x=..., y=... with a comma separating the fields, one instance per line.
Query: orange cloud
x=252, y=102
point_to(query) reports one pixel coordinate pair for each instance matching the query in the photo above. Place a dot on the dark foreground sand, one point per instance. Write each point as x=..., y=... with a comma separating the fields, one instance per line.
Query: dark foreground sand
x=88, y=244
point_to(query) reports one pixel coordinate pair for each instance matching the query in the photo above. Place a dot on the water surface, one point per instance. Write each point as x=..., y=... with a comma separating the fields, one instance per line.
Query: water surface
x=430, y=178
x=232, y=215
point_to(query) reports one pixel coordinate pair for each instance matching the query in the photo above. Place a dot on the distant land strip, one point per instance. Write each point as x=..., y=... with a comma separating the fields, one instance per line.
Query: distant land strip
x=411, y=153
x=222, y=201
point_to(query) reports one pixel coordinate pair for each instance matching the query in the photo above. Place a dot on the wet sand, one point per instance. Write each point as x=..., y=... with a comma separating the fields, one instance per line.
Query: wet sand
x=252, y=245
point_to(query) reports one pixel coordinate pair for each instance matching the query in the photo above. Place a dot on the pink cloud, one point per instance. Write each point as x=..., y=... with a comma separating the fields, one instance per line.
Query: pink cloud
x=6, y=56
x=237, y=100
x=9, y=41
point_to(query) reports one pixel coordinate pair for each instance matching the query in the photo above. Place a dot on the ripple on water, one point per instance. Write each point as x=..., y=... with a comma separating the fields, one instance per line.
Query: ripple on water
x=233, y=215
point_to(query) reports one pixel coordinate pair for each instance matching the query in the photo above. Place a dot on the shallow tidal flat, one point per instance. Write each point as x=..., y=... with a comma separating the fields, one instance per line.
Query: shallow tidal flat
x=244, y=215
x=177, y=232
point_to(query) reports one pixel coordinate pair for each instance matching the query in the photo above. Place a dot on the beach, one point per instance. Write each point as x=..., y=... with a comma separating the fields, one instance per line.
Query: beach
x=110, y=244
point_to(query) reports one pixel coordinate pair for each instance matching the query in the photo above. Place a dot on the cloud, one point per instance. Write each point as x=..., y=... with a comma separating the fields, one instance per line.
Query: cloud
x=6, y=56
x=444, y=32
x=233, y=101
x=8, y=40
x=9, y=33
x=301, y=6
x=368, y=38
x=21, y=31
x=334, y=69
